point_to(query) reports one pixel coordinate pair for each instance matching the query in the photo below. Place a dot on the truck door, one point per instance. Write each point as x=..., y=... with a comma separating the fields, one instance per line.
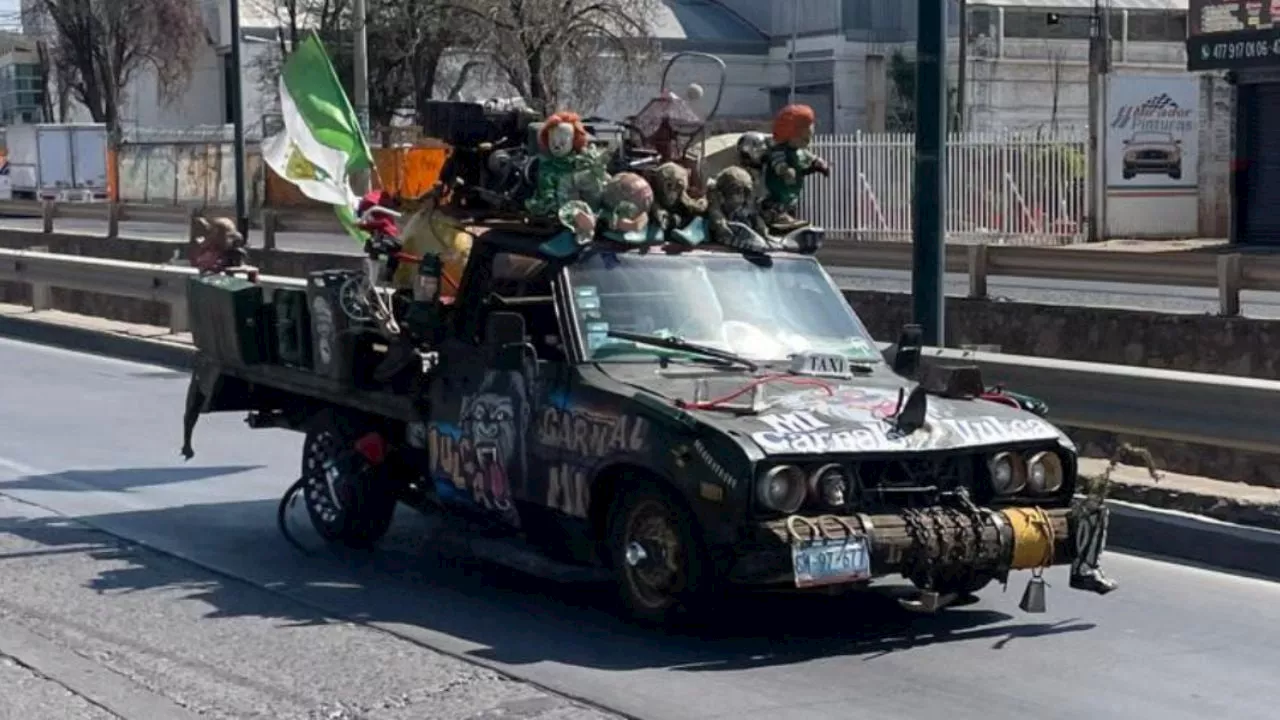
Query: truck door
x=485, y=399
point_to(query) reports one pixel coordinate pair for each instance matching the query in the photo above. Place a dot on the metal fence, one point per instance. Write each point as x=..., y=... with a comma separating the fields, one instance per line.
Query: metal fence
x=1013, y=188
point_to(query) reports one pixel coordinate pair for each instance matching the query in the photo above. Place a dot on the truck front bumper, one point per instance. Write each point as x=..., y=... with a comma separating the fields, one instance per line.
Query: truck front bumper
x=943, y=548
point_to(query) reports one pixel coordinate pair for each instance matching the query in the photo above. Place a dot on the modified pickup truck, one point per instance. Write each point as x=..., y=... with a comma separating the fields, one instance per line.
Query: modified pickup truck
x=675, y=420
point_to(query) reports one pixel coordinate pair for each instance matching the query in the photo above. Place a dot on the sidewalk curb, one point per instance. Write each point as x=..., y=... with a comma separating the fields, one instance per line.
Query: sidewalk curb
x=96, y=342
x=1194, y=539
x=1168, y=534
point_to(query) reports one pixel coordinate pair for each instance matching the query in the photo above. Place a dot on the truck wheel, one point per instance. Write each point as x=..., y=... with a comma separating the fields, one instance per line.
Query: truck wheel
x=659, y=563
x=350, y=501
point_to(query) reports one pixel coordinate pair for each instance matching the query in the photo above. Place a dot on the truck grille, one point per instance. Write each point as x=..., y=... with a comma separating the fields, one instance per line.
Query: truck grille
x=908, y=482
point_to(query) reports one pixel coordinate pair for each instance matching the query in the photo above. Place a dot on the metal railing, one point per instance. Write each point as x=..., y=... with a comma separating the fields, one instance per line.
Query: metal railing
x=1230, y=273
x=165, y=284
x=1221, y=410
x=1012, y=188
x=270, y=220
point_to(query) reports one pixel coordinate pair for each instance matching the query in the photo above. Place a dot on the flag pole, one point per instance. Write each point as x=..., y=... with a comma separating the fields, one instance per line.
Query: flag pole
x=361, y=67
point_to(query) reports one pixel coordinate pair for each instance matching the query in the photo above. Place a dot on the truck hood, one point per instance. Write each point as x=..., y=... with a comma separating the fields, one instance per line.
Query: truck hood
x=803, y=415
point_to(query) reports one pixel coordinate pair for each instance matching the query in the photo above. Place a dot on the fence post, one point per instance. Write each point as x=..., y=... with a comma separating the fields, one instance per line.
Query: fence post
x=114, y=210
x=48, y=211
x=977, y=271
x=179, y=317
x=1229, y=281
x=270, y=225
x=193, y=226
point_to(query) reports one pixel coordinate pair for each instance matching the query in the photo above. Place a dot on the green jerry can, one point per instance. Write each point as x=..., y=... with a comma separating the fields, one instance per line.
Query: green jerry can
x=227, y=319
x=292, y=328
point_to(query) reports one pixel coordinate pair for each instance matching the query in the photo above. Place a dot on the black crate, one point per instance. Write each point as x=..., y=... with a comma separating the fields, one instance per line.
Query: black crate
x=334, y=335
x=291, y=328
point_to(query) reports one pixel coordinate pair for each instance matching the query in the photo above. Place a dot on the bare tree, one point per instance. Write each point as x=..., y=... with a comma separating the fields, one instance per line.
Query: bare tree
x=557, y=52
x=407, y=39
x=97, y=48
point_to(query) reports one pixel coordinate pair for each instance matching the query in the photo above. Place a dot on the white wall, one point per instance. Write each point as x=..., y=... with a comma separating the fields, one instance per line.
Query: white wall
x=199, y=104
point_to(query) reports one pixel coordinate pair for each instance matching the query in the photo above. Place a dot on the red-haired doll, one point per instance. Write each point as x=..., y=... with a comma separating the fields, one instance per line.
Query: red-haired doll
x=789, y=162
x=571, y=178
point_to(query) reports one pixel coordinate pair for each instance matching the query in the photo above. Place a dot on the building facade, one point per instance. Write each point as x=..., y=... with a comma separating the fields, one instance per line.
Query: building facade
x=21, y=84
x=1241, y=41
x=1025, y=61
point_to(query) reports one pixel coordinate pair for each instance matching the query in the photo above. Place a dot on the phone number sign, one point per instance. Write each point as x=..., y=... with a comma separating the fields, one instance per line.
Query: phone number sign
x=1227, y=51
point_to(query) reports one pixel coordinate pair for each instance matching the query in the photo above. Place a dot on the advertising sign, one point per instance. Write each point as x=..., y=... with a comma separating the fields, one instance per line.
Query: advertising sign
x=1152, y=131
x=1231, y=34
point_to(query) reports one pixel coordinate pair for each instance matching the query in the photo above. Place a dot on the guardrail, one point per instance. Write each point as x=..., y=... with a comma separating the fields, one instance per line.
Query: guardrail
x=166, y=284
x=1230, y=273
x=1220, y=410
x=270, y=220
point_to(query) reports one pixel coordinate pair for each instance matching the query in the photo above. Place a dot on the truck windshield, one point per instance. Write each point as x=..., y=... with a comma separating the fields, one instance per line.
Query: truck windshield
x=720, y=301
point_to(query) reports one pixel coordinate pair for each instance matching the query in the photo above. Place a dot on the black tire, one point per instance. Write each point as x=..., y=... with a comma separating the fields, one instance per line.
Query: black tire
x=652, y=594
x=366, y=497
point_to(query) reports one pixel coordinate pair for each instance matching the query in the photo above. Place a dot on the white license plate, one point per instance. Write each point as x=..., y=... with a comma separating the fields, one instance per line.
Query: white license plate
x=826, y=562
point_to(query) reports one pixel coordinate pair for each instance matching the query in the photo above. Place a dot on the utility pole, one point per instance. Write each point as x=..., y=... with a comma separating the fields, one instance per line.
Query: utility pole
x=795, y=35
x=929, y=204
x=962, y=72
x=237, y=122
x=361, y=48
x=1095, y=171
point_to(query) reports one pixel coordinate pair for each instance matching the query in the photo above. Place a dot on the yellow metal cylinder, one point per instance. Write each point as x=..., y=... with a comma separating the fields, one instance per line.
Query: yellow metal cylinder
x=1032, y=537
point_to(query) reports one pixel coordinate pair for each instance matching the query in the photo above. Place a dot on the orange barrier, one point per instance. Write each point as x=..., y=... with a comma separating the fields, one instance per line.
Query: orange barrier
x=113, y=175
x=405, y=172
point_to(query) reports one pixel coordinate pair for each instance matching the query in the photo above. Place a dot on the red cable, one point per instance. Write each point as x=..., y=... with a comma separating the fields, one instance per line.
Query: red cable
x=708, y=404
x=1000, y=398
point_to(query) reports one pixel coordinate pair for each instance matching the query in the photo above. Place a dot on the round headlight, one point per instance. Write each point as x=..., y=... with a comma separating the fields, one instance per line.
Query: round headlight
x=1044, y=472
x=830, y=485
x=1007, y=474
x=782, y=488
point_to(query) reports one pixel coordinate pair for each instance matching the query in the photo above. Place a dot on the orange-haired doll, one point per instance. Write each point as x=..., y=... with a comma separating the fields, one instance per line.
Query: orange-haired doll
x=567, y=170
x=789, y=162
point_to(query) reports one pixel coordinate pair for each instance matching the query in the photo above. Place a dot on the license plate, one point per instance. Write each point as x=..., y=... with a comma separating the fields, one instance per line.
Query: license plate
x=826, y=562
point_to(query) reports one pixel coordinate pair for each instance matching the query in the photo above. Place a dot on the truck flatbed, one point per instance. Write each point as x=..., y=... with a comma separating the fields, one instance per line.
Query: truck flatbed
x=265, y=383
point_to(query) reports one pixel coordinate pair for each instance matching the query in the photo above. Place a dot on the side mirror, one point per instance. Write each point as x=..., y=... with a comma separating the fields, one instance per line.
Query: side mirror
x=906, y=357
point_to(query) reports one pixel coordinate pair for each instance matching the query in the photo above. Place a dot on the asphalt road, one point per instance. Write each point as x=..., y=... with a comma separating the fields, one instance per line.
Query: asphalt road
x=98, y=440
x=1059, y=292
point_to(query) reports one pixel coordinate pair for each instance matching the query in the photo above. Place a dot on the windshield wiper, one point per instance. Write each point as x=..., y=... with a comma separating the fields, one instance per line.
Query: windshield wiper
x=675, y=343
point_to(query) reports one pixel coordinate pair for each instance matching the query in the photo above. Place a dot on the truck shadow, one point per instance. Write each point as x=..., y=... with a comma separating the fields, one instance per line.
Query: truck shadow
x=230, y=555
x=122, y=479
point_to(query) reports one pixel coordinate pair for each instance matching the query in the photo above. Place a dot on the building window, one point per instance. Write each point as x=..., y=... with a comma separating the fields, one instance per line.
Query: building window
x=1041, y=25
x=1157, y=26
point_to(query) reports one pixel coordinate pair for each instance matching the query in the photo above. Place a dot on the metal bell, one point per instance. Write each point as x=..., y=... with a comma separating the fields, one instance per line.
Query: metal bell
x=1033, y=596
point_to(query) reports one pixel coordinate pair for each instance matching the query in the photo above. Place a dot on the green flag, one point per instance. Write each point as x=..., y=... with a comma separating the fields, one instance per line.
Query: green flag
x=322, y=142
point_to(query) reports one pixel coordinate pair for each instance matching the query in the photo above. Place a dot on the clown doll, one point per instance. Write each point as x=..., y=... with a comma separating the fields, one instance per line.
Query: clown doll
x=568, y=172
